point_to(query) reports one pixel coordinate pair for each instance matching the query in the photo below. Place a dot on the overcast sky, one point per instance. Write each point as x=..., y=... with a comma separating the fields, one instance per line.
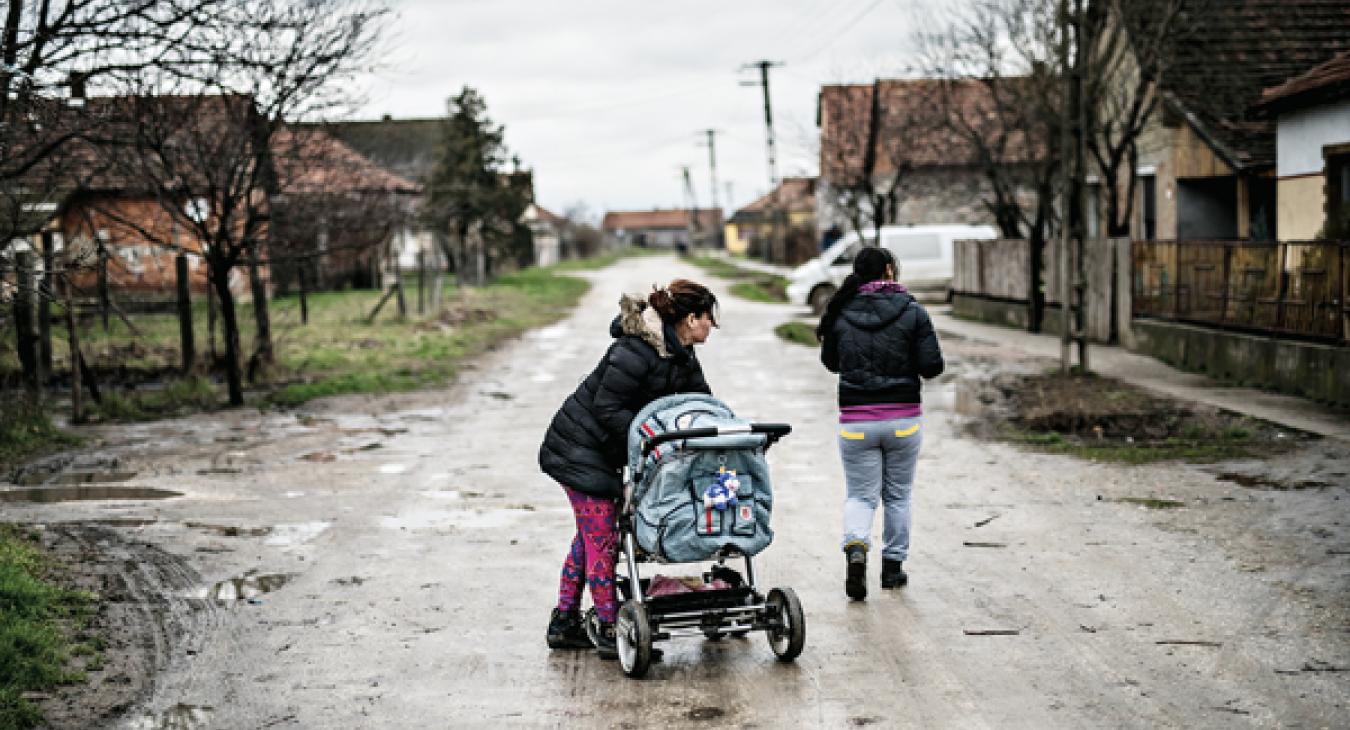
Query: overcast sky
x=605, y=99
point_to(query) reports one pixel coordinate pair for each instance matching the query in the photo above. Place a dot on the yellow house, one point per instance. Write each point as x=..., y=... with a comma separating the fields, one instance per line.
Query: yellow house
x=751, y=228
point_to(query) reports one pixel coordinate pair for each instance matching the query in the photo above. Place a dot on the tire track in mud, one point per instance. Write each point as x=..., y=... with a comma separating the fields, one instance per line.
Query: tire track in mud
x=144, y=616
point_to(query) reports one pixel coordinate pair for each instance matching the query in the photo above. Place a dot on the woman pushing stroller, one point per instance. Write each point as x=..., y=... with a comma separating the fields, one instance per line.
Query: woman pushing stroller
x=585, y=447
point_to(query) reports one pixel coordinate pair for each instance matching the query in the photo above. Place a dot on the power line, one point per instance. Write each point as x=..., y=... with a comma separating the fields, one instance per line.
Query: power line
x=840, y=31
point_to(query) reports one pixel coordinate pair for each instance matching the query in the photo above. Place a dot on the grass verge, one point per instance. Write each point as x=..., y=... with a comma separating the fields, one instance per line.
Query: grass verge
x=26, y=431
x=798, y=332
x=35, y=615
x=338, y=351
x=753, y=285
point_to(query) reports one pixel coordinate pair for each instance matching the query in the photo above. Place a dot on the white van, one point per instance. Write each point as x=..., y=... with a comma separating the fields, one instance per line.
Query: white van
x=924, y=254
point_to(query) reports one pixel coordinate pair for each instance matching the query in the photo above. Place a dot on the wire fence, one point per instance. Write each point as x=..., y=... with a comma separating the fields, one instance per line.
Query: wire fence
x=1293, y=289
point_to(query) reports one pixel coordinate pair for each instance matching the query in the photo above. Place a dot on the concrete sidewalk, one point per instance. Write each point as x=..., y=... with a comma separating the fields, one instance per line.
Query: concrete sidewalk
x=1152, y=374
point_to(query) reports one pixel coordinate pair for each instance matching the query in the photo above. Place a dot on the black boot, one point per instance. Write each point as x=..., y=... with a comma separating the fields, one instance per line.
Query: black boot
x=855, y=584
x=893, y=573
x=605, y=644
x=565, y=631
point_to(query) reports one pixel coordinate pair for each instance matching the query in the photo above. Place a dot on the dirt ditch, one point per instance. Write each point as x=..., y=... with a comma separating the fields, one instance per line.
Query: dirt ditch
x=143, y=620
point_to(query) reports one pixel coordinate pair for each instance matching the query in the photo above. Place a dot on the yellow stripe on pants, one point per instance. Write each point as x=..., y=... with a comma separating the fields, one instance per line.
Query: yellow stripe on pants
x=851, y=436
x=908, y=431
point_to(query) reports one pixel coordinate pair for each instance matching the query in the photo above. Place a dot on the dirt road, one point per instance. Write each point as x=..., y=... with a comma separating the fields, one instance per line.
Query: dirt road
x=390, y=562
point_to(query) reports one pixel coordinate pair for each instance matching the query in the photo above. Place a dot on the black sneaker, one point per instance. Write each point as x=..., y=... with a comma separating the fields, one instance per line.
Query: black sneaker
x=855, y=585
x=605, y=644
x=893, y=573
x=565, y=631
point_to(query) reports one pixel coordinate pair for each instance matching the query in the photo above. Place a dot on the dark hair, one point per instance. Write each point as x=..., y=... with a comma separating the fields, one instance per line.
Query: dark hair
x=869, y=265
x=681, y=298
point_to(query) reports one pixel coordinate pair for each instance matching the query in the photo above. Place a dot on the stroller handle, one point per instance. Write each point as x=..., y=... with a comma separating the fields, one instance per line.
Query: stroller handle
x=774, y=431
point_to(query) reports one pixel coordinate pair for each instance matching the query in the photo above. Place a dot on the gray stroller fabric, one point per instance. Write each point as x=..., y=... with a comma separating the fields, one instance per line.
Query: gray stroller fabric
x=679, y=515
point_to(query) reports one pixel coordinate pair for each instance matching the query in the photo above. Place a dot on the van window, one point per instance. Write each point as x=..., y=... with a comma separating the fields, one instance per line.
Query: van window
x=915, y=246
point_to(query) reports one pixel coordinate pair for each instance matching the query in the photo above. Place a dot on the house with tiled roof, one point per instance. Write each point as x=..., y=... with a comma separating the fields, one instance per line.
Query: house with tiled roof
x=1207, y=165
x=893, y=128
x=747, y=231
x=1312, y=141
x=661, y=227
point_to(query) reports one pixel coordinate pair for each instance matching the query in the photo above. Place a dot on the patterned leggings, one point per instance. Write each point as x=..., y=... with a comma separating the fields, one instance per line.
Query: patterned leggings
x=591, y=559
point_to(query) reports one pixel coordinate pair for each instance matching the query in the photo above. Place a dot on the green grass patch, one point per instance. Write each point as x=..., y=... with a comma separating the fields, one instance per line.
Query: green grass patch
x=1214, y=446
x=26, y=430
x=755, y=286
x=35, y=615
x=339, y=350
x=798, y=332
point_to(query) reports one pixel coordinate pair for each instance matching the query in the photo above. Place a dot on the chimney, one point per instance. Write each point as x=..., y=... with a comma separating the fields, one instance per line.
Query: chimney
x=77, y=83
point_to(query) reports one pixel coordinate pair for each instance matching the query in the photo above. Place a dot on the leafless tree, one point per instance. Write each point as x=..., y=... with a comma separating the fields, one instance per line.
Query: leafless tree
x=46, y=45
x=204, y=135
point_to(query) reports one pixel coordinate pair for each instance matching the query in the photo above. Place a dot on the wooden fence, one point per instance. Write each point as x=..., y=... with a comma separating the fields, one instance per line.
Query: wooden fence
x=1293, y=289
x=998, y=269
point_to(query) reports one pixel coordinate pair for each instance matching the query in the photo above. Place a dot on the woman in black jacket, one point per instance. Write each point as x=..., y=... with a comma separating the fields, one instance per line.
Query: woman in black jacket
x=587, y=442
x=881, y=342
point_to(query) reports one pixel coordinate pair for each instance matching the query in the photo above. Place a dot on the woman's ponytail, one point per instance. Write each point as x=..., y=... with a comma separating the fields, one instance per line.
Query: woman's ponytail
x=869, y=265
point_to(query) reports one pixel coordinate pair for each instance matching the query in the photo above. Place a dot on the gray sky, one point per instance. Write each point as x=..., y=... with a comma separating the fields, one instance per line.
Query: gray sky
x=604, y=99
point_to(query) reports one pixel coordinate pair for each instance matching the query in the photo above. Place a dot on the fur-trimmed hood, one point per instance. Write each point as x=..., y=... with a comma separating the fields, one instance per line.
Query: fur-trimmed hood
x=639, y=319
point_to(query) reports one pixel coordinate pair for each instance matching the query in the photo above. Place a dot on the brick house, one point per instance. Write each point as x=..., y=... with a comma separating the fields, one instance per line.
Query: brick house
x=894, y=127
x=749, y=229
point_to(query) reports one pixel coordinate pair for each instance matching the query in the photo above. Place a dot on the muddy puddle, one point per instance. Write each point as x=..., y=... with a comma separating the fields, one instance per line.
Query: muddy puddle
x=84, y=493
x=179, y=717
x=247, y=586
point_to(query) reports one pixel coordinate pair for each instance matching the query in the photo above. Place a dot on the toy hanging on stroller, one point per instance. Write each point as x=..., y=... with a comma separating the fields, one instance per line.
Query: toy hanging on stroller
x=698, y=490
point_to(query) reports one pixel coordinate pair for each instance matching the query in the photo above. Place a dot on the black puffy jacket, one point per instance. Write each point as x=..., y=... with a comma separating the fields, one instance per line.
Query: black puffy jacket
x=881, y=344
x=587, y=442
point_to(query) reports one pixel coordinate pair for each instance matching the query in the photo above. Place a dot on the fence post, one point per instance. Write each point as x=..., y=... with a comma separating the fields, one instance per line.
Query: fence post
x=45, y=305
x=25, y=324
x=301, y=277
x=104, y=300
x=185, y=312
x=1281, y=286
x=73, y=339
x=421, y=281
x=1227, y=280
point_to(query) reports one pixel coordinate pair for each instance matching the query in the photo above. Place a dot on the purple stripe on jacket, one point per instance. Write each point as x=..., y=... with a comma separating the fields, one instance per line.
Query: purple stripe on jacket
x=879, y=412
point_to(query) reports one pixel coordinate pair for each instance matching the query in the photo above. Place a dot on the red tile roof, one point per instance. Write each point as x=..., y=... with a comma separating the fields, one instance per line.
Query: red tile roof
x=673, y=218
x=911, y=129
x=1325, y=82
x=313, y=161
x=792, y=194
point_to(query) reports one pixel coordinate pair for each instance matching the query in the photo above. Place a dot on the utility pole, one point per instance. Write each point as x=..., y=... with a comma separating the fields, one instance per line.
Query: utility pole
x=1073, y=161
x=693, y=205
x=764, y=65
x=712, y=167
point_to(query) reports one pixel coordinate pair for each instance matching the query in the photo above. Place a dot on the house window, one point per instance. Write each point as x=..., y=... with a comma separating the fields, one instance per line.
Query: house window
x=1148, y=207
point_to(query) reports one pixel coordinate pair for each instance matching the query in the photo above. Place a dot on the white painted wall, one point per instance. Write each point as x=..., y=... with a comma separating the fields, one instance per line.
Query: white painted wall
x=1302, y=134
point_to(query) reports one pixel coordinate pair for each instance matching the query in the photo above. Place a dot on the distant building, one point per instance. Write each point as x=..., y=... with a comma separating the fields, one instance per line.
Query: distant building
x=895, y=127
x=1312, y=113
x=749, y=229
x=669, y=228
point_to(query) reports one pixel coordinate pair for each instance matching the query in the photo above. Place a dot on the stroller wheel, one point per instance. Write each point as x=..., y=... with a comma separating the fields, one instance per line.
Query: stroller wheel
x=787, y=638
x=633, y=634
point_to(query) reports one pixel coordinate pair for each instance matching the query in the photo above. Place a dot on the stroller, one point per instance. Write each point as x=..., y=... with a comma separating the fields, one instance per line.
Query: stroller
x=698, y=490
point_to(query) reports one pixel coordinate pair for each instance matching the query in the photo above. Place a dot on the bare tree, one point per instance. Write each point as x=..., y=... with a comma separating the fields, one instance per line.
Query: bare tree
x=204, y=136
x=46, y=45
x=1002, y=96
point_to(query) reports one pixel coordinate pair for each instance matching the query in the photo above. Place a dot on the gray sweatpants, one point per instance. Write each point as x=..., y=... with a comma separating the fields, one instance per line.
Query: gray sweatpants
x=879, y=459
